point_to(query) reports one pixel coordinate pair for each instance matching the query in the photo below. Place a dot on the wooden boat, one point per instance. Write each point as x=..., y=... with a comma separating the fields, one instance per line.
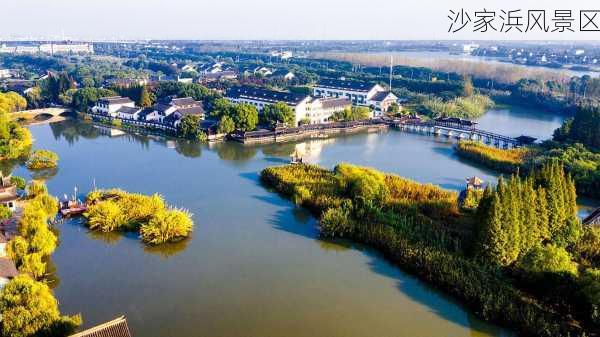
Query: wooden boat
x=71, y=207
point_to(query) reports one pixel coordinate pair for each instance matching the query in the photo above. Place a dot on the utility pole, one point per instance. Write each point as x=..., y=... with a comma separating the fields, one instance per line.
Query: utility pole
x=391, y=70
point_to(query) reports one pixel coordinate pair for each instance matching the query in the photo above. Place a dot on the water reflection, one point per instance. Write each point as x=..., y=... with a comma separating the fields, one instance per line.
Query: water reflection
x=234, y=152
x=44, y=174
x=168, y=250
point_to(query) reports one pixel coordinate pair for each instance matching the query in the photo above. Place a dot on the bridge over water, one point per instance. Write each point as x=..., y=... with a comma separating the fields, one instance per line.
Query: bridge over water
x=458, y=131
x=42, y=116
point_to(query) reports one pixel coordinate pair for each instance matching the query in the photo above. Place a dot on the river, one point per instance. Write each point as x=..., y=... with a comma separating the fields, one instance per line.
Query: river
x=254, y=265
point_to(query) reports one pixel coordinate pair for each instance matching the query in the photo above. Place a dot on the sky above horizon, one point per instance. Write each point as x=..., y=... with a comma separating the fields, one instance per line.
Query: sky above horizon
x=271, y=19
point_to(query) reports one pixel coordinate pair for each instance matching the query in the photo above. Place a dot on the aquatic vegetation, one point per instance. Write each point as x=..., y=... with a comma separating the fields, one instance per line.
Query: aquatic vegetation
x=42, y=159
x=462, y=107
x=507, y=161
x=117, y=210
x=167, y=226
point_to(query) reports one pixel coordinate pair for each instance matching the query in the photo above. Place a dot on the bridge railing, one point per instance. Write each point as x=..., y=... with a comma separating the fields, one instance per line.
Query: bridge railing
x=461, y=128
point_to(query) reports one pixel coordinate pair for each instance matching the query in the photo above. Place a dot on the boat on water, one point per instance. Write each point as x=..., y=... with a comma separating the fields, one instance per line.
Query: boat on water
x=72, y=207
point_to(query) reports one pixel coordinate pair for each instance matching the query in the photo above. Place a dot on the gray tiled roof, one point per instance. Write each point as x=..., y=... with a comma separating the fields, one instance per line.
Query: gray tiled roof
x=115, y=328
x=268, y=96
x=345, y=84
x=115, y=100
x=128, y=110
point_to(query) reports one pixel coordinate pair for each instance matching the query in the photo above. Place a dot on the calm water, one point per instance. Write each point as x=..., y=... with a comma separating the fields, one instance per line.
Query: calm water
x=254, y=265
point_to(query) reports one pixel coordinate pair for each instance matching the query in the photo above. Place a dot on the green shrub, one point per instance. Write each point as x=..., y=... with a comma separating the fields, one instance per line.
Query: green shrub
x=548, y=259
x=42, y=159
x=337, y=222
x=167, y=226
x=35, y=188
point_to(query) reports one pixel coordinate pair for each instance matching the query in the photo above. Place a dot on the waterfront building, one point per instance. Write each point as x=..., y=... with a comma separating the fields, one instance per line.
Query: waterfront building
x=110, y=105
x=358, y=92
x=115, y=328
x=173, y=110
x=129, y=113
x=381, y=102
x=593, y=219
x=8, y=270
x=474, y=183
x=322, y=108
x=315, y=110
x=8, y=193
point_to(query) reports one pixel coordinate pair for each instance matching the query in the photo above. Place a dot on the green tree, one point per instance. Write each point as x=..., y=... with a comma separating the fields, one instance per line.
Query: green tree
x=548, y=259
x=86, y=97
x=245, y=117
x=35, y=188
x=189, y=127
x=278, y=113
x=17, y=248
x=145, y=99
x=167, y=226
x=19, y=182
x=33, y=265
x=42, y=159
x=467, y=86
x=221, y=107
x=226, y=125
x=28, y=308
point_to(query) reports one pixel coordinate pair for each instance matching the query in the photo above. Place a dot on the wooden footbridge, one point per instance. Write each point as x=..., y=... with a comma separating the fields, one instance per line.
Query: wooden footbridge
x=459, y=129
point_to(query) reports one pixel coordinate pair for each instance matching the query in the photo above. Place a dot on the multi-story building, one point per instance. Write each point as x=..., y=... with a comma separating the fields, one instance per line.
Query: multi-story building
x=359, y=93
x=322, y=108
x=110, y=105
x=305, y=107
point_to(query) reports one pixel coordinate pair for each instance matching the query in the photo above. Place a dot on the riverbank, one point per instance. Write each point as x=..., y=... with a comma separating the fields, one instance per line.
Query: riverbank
x=309, y=131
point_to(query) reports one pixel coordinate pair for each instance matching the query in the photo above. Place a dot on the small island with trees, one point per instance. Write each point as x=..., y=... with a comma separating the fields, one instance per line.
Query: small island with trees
x=117, y=210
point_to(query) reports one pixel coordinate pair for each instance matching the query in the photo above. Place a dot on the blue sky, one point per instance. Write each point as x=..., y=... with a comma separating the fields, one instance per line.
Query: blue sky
x=261, y=19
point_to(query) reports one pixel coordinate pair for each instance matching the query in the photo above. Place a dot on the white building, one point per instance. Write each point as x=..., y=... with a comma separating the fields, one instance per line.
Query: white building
x=263, y=71
x=170, y=113
x=211, y=68
x=49, y=48
x=110, y=105
x=359, y=93
x=322, y=108
x=129, y=113
x=305, y=107
x=381, y=102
